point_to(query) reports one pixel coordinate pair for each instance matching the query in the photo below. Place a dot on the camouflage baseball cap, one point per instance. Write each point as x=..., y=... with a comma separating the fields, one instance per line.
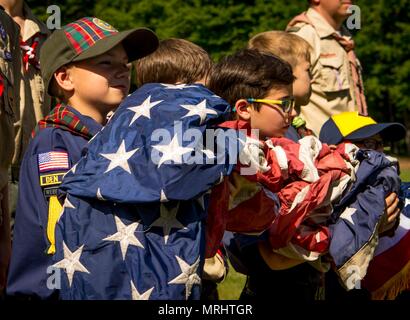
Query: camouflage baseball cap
x=90, y=37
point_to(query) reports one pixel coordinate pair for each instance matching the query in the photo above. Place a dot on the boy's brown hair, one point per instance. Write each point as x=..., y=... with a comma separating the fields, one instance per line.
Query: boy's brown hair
x=175, y=60
x=249, y=73
x=287, y=46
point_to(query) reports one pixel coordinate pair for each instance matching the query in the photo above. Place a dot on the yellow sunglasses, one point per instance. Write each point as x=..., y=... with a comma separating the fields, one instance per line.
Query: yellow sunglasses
x=287, y=105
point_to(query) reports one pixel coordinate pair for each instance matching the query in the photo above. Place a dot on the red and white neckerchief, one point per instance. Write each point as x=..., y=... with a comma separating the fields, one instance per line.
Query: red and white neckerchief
x=29, y=52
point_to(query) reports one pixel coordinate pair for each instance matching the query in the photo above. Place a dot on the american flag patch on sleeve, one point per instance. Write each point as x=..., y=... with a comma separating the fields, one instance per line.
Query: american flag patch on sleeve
x=53, y=160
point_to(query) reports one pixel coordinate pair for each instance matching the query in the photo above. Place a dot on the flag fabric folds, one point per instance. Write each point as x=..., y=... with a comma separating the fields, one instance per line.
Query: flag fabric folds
x=358, y=215
x=148, y=146
x=389, y=271
x=132, y=226
x=137, y=202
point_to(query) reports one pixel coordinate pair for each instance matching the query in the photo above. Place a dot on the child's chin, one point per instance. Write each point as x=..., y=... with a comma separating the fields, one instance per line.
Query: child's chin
x=113, y=102
x=120, y=92
x=277, y=134
x=118, y=97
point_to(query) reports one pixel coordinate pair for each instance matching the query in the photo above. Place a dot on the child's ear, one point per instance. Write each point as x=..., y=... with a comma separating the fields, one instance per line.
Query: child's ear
x=242, y=109
x=63, y=78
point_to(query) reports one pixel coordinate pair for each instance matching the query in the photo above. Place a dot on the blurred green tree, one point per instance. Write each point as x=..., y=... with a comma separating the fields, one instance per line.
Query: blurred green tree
x=223, y=26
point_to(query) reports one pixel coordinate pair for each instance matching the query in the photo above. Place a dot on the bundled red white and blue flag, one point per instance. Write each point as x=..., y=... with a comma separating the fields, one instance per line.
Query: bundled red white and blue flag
x=389, y=271
x=358, y=215
x=133, y=220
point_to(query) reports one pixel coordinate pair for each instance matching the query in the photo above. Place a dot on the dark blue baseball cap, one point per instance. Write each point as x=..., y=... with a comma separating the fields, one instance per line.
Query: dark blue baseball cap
x=354, y=126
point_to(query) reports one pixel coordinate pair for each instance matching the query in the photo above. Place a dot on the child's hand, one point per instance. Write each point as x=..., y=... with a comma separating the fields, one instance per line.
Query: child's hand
x=276, y=261
x=392, y=212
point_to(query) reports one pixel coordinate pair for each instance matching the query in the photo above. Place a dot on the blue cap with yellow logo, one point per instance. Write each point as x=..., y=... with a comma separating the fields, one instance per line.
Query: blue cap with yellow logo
x=354, y=126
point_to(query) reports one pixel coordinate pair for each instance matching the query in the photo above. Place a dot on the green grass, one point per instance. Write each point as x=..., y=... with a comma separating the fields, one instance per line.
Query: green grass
x=232, y=287
x=405, y=175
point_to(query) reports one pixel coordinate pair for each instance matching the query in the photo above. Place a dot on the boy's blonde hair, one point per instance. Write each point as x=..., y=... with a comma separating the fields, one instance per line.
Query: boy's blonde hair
x=289, y=47
x=175, y=60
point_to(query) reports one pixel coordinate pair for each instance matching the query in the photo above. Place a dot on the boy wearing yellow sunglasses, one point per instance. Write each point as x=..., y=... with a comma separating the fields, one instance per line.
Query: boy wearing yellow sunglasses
x=260, y=93
x=296, y=51
x=259, y=87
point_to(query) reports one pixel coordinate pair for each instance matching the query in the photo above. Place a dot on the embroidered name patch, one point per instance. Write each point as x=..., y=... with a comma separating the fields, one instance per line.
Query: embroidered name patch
x=51, y=179
x=54, y=160
x=48, y=192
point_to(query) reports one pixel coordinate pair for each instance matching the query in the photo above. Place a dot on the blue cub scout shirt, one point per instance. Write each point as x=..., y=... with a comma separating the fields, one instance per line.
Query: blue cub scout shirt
x=51, y=153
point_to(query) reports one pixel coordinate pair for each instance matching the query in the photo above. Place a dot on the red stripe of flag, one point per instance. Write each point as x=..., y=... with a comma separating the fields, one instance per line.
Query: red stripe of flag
x=387, y=264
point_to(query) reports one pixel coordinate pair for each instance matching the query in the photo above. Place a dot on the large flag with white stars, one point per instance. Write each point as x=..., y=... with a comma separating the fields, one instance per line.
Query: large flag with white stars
x=133, y=220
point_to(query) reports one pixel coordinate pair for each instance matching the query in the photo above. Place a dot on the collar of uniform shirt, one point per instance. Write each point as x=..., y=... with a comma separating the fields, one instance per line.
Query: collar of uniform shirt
x=32, y=25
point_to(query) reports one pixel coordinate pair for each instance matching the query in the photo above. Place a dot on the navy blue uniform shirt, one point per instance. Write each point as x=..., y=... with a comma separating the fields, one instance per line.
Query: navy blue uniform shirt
x=30, y=261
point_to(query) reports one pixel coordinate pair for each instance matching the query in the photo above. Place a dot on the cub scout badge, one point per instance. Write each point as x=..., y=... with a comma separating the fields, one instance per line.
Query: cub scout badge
x=104, y=25
x=51, y=179
x=49, y=192
x=49, y=182
x=52, y=161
